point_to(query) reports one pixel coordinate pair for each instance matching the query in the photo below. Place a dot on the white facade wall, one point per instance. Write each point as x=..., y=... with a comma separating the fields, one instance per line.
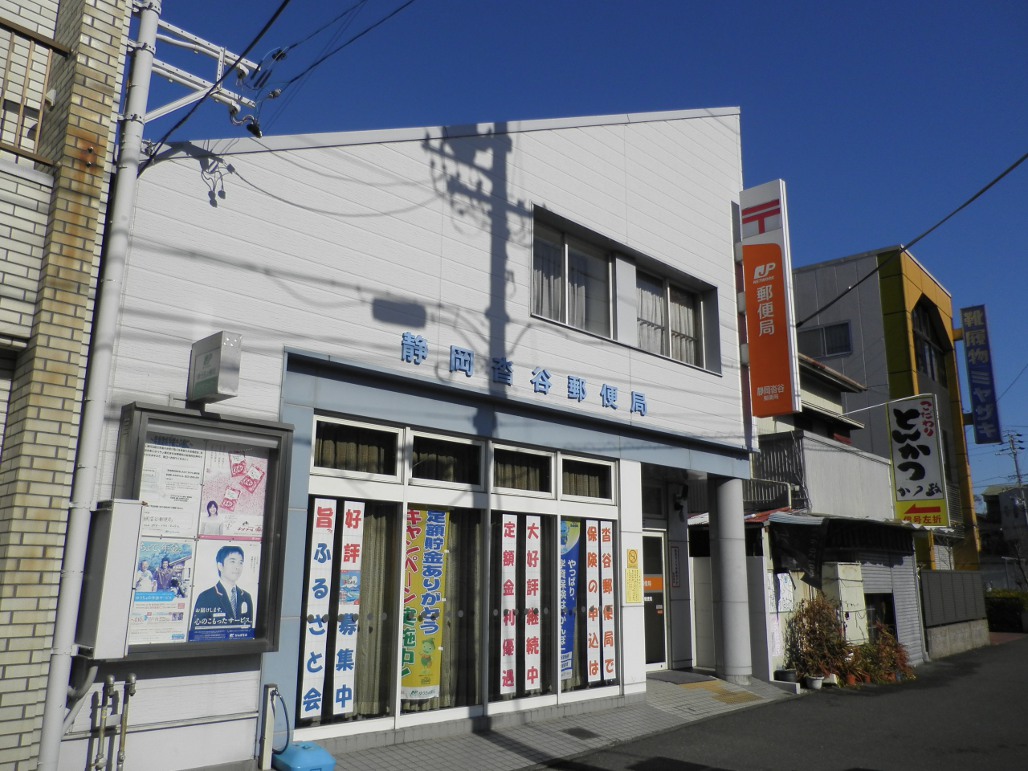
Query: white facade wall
x=336, y=245
x=844, y=482
x=305, y=245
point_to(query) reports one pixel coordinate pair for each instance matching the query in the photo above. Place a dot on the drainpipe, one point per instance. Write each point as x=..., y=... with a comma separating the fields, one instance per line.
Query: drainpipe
x=105, y=323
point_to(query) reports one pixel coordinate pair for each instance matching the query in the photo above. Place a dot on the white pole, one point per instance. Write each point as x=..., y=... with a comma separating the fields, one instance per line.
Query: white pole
x=105, y=324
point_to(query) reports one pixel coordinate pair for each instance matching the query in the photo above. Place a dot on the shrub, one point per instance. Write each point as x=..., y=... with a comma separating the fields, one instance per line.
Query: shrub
x=815, y=639
x=1004, y=607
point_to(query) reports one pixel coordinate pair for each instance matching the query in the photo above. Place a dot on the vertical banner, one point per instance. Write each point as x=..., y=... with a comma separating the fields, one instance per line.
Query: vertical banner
x=609, y=648
x=770, y=317
x=592, y=599
x=424, y=579
x=352, y=524
x=980, y=382
x=533, y=598
x=570, y=533
x=919, y=486
x=319, y=583
x=508, y=603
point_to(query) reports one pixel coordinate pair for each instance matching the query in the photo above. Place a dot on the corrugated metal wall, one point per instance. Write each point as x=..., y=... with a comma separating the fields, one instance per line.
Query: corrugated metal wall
x=899, y=581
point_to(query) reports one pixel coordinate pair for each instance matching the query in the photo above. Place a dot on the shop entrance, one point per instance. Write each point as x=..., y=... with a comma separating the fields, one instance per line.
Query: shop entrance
x=654, y=601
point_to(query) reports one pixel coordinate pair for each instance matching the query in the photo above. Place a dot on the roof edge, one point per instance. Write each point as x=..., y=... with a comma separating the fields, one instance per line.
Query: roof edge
x=245, y=145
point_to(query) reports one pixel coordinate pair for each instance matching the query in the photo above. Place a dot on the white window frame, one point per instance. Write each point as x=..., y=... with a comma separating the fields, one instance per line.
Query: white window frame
x=666, y=342
x=517, y=491
x=611, y=467
x=567, y=242
x=400, y=461
x=422, y=482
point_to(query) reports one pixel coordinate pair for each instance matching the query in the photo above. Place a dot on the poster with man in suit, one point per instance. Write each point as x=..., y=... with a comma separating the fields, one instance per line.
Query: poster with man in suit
x=225, y=610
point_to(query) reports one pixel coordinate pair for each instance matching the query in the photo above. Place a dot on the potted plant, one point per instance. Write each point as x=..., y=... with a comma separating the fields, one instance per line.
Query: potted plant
x=894, y=664
x=815, y=642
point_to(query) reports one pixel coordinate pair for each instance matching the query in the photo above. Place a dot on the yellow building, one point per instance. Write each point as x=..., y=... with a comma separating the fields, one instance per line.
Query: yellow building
x=894, y=331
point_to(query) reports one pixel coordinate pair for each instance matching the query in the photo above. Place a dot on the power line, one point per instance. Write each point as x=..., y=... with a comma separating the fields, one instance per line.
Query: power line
x=1025, y=367
x=904, y=247
x=322, y=59
x=155, y=148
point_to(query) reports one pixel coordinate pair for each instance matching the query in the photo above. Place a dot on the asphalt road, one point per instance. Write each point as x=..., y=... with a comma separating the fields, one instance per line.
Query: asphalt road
x=966, y=712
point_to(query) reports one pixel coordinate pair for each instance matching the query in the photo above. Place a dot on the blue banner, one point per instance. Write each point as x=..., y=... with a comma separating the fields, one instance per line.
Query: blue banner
x=978, y=358
x=570, y=534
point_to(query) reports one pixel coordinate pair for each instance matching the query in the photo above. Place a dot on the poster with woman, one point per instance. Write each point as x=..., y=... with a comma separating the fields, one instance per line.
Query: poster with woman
x=232, y=496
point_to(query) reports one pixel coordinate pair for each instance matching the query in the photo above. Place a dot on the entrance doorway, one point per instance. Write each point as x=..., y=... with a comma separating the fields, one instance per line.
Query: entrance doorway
x=654, y=601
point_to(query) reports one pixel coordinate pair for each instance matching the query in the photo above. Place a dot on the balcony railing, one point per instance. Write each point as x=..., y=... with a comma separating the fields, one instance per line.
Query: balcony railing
x=26, y=61
x=823, y=476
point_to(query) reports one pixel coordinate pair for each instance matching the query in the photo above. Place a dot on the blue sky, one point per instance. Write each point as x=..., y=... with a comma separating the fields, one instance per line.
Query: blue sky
x=882, y=117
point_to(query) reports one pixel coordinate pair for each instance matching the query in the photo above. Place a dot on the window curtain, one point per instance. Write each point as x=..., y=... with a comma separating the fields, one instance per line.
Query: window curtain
x=685, y=327
x=651, y=314
x=586, y=479
x=351, y=448
x=377, y=628
x=588, y=292
x=547, y=275
x=446, y=461
x=520, y=471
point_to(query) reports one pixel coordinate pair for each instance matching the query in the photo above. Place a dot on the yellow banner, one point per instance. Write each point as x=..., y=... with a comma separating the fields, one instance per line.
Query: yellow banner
x=424, y=601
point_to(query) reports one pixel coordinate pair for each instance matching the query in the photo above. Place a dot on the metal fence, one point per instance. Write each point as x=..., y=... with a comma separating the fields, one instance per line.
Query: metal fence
x=951, y=596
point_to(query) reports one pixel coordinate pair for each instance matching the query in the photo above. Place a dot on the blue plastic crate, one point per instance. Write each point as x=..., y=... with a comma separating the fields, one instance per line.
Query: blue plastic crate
x=303, y=756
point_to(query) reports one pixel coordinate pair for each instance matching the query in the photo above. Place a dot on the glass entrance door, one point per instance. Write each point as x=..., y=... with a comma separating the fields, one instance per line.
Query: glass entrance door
x=654, y=601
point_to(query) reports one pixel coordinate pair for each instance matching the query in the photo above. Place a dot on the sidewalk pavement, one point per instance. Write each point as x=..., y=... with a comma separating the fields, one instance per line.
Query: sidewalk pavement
x=672, y=699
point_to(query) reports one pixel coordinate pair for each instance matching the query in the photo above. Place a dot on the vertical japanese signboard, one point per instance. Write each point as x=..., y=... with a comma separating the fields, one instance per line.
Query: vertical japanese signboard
x=508, y=603
x=350, y=556
x=533, y=595
x=607, y=600
x=982, y=386
x=570, y=532
x=919, y=486
x=319, y=587
x=592, y=599
x=767, y=283
x=424, y=579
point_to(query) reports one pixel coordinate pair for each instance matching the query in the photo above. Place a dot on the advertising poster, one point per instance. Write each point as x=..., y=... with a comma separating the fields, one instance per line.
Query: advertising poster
x=917, y=470
x=171, y=481
x=350, y=558
x=424, y=577
x=319, y=572
x=609, y=649
x=570, y=532
x=533, y=601
x=159, y=611
x=233, y=491
x=508, y=638
x=592, y=599
x=224, y=584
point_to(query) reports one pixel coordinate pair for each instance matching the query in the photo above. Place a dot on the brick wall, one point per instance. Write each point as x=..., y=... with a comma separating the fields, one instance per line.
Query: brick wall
x=46, y=388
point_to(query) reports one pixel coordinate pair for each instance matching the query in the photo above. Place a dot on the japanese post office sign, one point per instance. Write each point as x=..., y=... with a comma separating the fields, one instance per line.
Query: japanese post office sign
x=767, y=283
x=919, y=482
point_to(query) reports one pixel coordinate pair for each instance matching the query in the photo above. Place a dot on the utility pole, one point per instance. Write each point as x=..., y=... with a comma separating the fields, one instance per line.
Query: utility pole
x=1015, y=444
x=105, y=322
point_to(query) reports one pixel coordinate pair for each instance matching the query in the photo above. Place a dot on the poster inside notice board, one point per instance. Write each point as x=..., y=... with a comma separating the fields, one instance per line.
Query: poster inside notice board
x=212, y=495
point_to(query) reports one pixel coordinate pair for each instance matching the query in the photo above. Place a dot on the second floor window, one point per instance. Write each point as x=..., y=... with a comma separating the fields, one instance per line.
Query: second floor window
x=929, y=351
x=571, y=282
x=831, y=340
x=669, y=320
